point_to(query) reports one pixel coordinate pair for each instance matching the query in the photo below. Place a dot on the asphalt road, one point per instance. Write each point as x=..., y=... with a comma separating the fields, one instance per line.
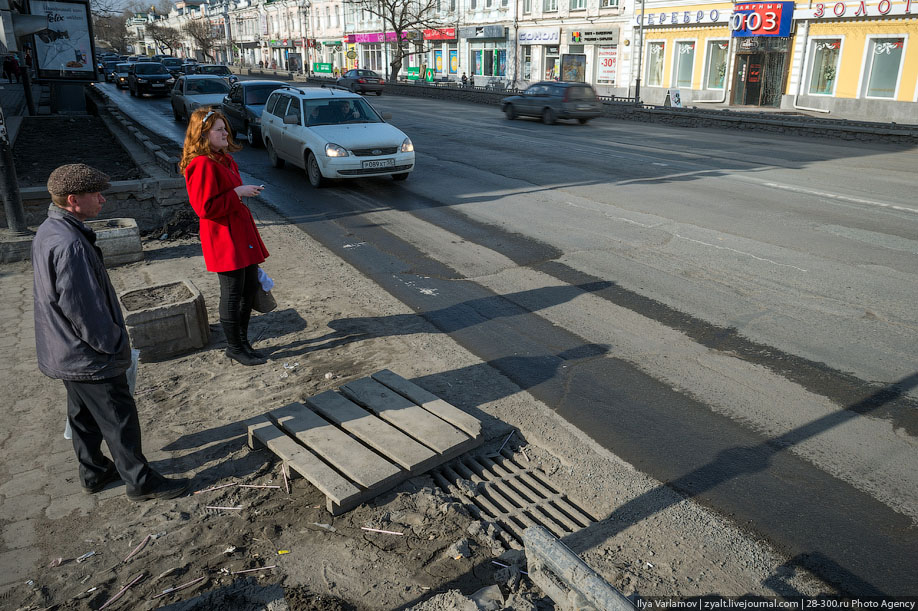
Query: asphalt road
x=732, y=313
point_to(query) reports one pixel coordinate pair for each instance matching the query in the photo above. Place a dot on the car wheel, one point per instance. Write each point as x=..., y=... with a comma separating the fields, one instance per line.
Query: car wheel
x=510, y=112
x=353, y=87
x=548, y=116
x=251, y=136
x=379, y=92
x=276, y=161
x=313, y=173
x=582, y=121
x=401, y=176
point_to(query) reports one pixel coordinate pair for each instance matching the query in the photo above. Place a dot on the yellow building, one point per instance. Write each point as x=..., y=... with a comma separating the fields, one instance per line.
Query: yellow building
x=855, y=59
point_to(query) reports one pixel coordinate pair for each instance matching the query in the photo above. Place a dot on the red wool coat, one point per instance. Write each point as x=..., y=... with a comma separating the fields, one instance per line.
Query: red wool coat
x=229, y=237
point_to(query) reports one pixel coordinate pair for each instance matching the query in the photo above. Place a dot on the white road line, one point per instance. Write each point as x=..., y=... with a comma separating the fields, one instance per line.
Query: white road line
x=740, y=252
x=844, y=198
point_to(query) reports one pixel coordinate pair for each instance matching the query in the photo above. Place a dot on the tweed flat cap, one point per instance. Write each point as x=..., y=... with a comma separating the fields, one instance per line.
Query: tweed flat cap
x=76, y=178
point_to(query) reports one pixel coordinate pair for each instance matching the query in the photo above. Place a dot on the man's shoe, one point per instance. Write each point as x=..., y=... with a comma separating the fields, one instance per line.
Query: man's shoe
x=111, y=475
x=159, y=487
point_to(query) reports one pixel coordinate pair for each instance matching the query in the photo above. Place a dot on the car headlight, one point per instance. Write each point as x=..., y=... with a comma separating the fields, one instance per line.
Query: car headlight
x=407, y=147
x=170, y=80
x=333, y=150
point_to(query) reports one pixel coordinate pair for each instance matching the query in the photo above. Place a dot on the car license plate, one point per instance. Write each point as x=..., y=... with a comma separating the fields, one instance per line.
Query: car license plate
x=379, y=163
x=159, y=84
x=583, y=107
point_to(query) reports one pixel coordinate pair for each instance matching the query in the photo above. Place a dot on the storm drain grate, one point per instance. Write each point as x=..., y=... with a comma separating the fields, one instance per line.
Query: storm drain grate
x=500, y=490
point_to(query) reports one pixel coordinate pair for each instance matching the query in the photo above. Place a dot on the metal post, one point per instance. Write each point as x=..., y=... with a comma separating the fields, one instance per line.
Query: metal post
x=640, y=50
x=9, y=184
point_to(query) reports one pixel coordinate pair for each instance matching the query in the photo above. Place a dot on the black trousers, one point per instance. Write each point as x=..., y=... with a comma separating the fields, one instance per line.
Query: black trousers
x=105, y=410
x=237, y=292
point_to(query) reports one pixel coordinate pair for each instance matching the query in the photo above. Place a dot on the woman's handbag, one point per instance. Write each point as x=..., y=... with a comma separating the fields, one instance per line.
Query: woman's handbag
x=264, y=300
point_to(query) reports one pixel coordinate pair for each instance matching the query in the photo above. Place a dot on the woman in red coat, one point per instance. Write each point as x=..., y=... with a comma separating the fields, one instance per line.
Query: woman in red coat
x=230, y=241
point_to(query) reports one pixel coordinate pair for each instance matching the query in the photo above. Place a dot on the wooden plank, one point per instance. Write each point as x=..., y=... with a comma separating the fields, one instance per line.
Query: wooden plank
x=376, y=433
x=338, y=490
x=410, y=418
x=357, y=462
x=467, y=423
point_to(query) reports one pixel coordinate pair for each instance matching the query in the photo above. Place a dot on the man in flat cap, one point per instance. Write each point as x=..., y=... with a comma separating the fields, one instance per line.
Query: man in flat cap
x=81, y=339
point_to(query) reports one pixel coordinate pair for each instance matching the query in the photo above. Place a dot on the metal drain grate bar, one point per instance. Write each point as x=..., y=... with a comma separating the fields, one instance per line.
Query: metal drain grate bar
x=504, y=536
x=511, y=495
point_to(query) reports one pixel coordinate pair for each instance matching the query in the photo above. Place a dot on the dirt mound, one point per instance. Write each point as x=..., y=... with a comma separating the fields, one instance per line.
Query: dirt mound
x=183, y=223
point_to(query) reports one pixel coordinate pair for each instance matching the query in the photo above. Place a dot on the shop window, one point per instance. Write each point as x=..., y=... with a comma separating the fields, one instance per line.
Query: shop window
x=372, y=57
x=884, y=60
x=552, y=63
x=684, y=64
x=527, y=62
x=824, y=65
x=549, y=6
x=654, y=66
x=489, y=61
x=578, y=5
x=716, y=66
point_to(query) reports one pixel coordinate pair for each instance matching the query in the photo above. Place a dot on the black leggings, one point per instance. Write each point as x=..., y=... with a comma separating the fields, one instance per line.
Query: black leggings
x=237, y=292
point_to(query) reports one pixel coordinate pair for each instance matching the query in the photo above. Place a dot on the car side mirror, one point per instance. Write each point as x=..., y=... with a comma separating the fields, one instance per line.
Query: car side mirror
x=227, y=100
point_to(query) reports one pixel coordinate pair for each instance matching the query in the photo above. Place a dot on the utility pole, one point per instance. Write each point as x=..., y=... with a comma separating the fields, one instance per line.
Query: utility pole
x=640, y=51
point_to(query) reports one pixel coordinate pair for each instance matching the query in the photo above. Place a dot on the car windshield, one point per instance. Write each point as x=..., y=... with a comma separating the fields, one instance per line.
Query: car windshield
x=581, y=93
x=258, y=94
x=369, y=73
x=171, y=62
x=213, y=70
x=150, y=68
x=340, y=111
x=206, y=86
x=122, y=67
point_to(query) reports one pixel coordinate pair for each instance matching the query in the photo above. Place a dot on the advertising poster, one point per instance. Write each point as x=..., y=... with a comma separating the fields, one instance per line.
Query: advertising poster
x=438, y=60
x=453, y=61
x=606, y=65
x=63, y=50
x=573, y=68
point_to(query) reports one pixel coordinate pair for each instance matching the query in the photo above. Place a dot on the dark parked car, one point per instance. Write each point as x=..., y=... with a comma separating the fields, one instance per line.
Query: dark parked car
x=149, y=77
x=120, y=74
x=174, y=65
x=552, y=100
x=108, y=70
x=362, y=81
x=196, y=90
x=217, y=70
x=244, y=104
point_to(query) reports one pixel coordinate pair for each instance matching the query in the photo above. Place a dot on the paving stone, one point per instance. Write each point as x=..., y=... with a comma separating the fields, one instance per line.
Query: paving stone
x=23, y=506
x=65, y=505
x=28, y=481
x=19, y=534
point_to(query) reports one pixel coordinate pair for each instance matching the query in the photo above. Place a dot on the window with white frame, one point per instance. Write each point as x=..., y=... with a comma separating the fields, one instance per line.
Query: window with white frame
x=452, y=6
x=608, y=3
x=504, y=3
x=716, y=64
x=489, y=3
x=577, y=5
x=824, y=54
x=884, y=62
x=549, y=6
x=551, y=62
x=473, y=4
x=526, y=51
x=684, y=64
x=372, y=57
x=337, y=16
x=653, y=75
x=527, y=7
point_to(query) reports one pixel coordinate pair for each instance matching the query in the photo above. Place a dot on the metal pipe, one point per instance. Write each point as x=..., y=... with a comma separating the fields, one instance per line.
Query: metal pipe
x=637, y=82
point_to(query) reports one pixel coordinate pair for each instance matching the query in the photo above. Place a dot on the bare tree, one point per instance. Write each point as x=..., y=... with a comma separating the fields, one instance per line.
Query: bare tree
x=164, y=36
x=113, y=30
x=406, y=18
x=204, y=34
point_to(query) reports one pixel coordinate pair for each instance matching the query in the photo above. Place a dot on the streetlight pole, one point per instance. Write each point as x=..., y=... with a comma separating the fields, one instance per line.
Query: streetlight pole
x=640, y=52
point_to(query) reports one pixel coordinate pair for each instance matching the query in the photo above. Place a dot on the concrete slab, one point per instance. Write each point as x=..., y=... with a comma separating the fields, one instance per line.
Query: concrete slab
x=466, y=423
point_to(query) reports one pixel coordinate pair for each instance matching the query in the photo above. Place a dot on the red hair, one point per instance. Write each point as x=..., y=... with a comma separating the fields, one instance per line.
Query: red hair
x=197, y=143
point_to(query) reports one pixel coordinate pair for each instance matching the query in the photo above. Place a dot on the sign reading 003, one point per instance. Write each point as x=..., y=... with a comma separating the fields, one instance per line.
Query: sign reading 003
x=751, y=19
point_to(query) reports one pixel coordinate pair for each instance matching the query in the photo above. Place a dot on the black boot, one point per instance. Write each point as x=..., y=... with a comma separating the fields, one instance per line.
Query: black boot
x=244, y=336
x=234, y=347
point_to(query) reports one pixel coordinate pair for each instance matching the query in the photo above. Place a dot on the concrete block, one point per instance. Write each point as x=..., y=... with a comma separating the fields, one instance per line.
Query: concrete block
x=119, y=240
x=165, y=320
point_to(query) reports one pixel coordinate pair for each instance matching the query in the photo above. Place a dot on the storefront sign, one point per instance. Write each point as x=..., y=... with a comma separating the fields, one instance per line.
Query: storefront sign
x=606, y=65
x=441, y=34
x=539, y=36
x=683, y=18
x=413, y=73
x=330, y=43
x=282, y=43
x=833, y=10
x=590, y=37
x=322, y=68
x=375, y=37
x=63, y=50
x=484, y=31
x=752, y=19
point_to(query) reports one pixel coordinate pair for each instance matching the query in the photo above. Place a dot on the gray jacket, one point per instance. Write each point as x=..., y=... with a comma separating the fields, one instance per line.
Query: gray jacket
x=79, y=329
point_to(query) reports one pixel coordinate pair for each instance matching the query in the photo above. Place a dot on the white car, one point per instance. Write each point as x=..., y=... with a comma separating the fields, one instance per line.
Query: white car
x=333, y=133
x=195, y=90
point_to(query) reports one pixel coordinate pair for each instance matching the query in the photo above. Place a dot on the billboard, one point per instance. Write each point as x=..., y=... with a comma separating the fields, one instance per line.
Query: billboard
x=64, y=49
